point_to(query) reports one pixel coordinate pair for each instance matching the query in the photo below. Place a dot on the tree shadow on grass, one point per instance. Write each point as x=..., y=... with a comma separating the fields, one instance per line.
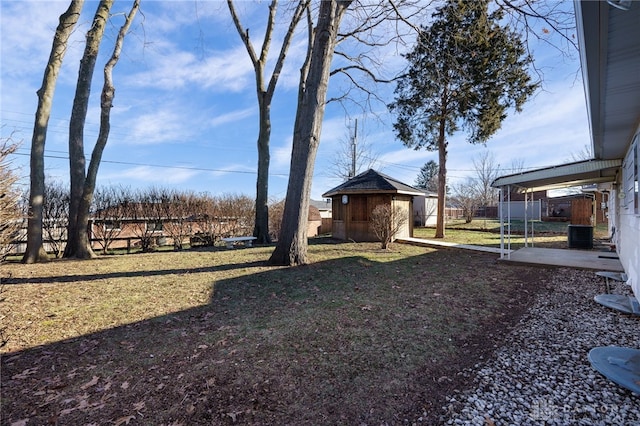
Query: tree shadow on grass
x=346, y=341
x=128, y=274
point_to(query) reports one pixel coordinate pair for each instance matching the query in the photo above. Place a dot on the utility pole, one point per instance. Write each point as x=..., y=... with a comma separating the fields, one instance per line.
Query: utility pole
x=354, y=143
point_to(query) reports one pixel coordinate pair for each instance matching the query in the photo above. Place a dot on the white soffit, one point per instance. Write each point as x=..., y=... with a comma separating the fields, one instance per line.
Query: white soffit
x=563, y=176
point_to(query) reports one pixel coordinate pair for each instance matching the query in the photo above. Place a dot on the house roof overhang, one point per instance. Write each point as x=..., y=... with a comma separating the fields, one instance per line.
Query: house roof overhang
x=563, y=176
x=610, y=57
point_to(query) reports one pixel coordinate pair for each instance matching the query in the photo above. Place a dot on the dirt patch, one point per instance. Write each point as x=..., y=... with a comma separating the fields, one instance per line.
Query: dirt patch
x=361, y=336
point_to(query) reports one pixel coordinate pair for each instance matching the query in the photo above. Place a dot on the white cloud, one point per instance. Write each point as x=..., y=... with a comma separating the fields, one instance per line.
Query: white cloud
x=281, y=155
x=27, y=33
x=150, y=175
x=224, y=71
x=233, y=116
x=157, y=127
x=236, y=168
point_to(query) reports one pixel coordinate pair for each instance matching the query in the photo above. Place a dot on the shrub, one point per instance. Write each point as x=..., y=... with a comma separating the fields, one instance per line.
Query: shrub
x=386, y=222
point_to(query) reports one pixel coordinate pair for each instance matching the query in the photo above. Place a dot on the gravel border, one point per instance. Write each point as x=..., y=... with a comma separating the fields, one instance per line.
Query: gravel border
x=541, y=375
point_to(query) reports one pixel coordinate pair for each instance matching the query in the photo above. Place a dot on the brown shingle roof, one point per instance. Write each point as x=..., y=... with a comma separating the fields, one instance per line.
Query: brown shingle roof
x=372, y=181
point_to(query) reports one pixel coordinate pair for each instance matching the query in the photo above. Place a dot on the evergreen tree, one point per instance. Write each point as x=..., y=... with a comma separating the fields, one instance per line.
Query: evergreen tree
x=428, y=177
x=465, y=71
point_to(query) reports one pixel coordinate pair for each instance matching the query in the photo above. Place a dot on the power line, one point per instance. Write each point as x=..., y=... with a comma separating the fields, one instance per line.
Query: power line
x=410, y=167
x=127, y=163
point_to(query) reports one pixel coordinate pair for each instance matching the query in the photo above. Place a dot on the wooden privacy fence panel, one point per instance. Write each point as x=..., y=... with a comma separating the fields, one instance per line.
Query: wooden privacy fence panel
x=582, y=211
x=325, y=228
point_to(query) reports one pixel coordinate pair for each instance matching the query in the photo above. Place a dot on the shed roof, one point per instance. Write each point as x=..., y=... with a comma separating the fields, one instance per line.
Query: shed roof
x=373, y=182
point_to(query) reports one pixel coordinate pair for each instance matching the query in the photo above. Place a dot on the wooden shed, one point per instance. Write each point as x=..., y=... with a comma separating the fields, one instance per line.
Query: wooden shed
x=354, y=200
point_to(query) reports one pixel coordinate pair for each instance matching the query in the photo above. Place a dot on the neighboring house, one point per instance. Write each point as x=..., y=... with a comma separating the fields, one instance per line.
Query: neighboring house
x=54, y=237
x=354, y=200
x=324, y=207
x=583, y=207
x=609, y=39
x=145, y=225
x=129, y=232
x=314, y=224
x=425, y=209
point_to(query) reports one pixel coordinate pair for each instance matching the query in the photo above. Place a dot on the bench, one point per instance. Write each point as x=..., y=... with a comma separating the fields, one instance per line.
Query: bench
x=230, y=241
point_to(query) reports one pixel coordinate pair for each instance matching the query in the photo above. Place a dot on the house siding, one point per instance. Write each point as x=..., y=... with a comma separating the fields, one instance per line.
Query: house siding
x=425, y=211
x=624, y=222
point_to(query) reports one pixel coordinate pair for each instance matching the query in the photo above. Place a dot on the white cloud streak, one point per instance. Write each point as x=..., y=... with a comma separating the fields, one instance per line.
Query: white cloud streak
x=233, y=116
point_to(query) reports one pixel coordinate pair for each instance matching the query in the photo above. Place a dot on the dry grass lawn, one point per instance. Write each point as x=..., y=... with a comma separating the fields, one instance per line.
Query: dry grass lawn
x=360, y=336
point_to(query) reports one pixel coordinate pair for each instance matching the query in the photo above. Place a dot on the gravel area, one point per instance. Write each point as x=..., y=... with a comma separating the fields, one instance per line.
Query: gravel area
x=541, y=376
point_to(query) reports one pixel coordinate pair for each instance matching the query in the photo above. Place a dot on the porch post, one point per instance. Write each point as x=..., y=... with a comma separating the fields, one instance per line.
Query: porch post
x=500, y=202
x=526, y=224
x=509, y=221
x=533, y=219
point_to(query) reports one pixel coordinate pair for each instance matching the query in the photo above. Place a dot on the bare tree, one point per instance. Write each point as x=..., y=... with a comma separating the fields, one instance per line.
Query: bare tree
x=83, y=187
x=517, y=166
x=179, y=208
x=108, y=215
x=292, y=245
x=35, y=251
x=222, y=216
x=77, y=122
x=487, y=170
x=143, y=217
x=11, y=213
x=265, y=92
x=369, y=30
x=386, y=222
x=207, y=225
x=354, y=155
x=56, y=216
x=236, y=211
x=467, y=197
x=585, y=154
x=548, y=22
x=276, y=209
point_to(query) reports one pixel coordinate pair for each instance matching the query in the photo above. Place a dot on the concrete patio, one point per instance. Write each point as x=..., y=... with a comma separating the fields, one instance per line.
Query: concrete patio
x=571, y=258
x=583, y=259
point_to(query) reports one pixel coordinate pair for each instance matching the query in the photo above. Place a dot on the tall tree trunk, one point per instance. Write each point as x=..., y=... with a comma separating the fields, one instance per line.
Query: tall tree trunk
x=292, y=244
x=261, y=224
x=35, y=251
x=77, y=164
x=83, y=243
x=442, y=163
x=265, y=95
x=442, y=184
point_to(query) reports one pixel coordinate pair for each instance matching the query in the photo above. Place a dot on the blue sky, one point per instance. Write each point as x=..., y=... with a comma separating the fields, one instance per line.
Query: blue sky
x=185, y=112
